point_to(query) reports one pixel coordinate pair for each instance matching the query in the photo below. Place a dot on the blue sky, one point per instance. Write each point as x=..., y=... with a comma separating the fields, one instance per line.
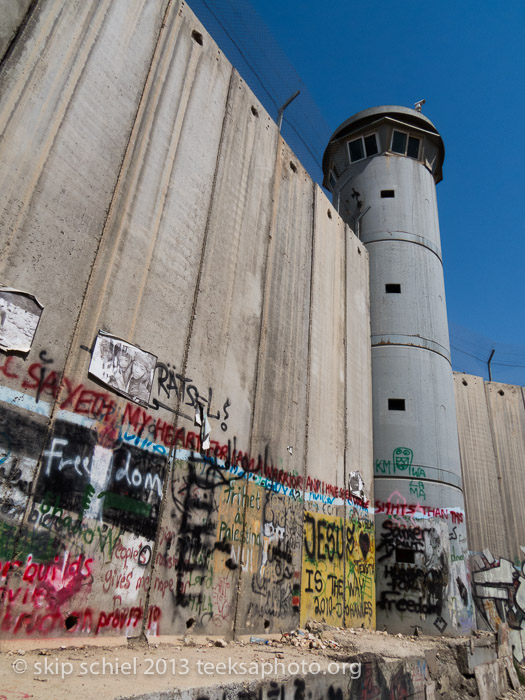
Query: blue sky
x=467, y=60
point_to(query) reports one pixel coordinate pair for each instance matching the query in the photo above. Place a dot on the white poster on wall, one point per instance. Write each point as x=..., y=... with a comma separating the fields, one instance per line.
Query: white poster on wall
x=20, y=314
x=123, y=367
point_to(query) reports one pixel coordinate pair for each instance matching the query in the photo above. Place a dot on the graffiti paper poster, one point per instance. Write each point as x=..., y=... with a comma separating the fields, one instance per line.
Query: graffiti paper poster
x=123, y=367
x=19, y=316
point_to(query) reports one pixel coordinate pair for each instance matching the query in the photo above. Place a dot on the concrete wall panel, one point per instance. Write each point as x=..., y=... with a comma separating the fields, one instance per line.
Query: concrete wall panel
x=326, y=406
x=280, y=415
x=358, y=365
x=13, y=13
x=152, y=247
x=283, y=352
x=224, y=342
x=71, y=90
x=148, y=194
x=507, y=414
x=485, y=512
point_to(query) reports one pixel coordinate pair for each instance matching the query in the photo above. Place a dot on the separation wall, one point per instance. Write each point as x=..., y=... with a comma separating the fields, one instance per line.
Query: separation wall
x=491, y=425
x=147, y=194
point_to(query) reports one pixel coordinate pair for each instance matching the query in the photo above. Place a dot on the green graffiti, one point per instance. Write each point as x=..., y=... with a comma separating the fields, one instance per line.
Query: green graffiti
x=402, y=458
x=130, y=505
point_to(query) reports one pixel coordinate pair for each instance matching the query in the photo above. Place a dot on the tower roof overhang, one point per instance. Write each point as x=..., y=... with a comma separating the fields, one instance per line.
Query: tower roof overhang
x=373, y=115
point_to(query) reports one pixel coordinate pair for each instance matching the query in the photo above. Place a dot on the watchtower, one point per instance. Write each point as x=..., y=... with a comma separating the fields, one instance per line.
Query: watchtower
x=381, y=166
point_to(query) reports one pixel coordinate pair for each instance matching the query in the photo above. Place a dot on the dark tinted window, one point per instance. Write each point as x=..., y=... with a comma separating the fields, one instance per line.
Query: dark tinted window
x=413, y=147
x=387, y=193
x=356, y=150
x=399, y=142
x=371, y=145
x=393, y=288
x=405, y=556
x=396, y=404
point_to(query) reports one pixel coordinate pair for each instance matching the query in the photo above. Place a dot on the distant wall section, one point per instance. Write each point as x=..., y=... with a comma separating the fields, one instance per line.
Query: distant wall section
x=186, y=442
x=491, y=426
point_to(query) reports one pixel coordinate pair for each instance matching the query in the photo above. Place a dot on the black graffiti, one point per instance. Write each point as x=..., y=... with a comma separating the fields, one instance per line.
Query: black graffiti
x=132, y=490
x=144, y=555
x=273, y=601
x=463, y=592
x=169, y=381
x=413, y=579
x=324, y=539
x=196, y=502
x=507, y=578
x=396, y=537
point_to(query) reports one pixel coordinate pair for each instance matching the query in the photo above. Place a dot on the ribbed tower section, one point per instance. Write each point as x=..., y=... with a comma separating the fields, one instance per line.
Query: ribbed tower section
x=382, y=166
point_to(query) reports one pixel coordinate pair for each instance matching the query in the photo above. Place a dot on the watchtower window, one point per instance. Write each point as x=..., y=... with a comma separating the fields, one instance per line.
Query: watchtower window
x=405, y=145
x=393, y=288
x=357, y=151
x=396, y=404
x=413, y=147
x=399, y=142
x=363, y=147
x=371, y=145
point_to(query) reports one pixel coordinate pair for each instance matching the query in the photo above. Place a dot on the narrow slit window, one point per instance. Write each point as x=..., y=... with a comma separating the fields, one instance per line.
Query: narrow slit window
x=393, y=288
x=396, y=404
x=388, y=194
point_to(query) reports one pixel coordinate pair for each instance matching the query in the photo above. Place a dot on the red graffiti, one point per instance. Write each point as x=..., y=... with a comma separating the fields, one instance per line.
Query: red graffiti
x=406, y=509
x=5, y=368
x=48, y=585
x=119, y=618
x=102, y=407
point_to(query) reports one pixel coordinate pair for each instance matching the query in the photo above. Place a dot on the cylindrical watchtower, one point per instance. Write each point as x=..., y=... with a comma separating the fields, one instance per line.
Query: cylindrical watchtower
x=382, y=166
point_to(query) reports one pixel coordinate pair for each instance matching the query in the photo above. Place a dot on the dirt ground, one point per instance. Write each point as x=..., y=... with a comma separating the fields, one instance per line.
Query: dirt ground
x=121, y=671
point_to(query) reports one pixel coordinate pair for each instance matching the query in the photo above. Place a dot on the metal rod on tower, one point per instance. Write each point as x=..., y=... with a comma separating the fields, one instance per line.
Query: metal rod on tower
x=283, y=107
x=490, y=360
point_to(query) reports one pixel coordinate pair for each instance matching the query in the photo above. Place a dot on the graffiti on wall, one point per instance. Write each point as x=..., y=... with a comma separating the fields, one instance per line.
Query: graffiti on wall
x=499, y=594
x=400, y=464
x=421, y=552
x=338, y=570
x=275, y=583
x=414, y=568
x=359, y=681
x=82, y=540
x=196, y=538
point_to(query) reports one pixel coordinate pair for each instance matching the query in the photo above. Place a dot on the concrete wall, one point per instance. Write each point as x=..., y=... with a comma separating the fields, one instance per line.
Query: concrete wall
x=491, y=426
x=147, y=194
x=13, y=14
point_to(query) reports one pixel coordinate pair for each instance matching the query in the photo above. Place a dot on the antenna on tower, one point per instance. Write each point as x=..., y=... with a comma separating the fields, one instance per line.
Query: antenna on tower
x=418, y=106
